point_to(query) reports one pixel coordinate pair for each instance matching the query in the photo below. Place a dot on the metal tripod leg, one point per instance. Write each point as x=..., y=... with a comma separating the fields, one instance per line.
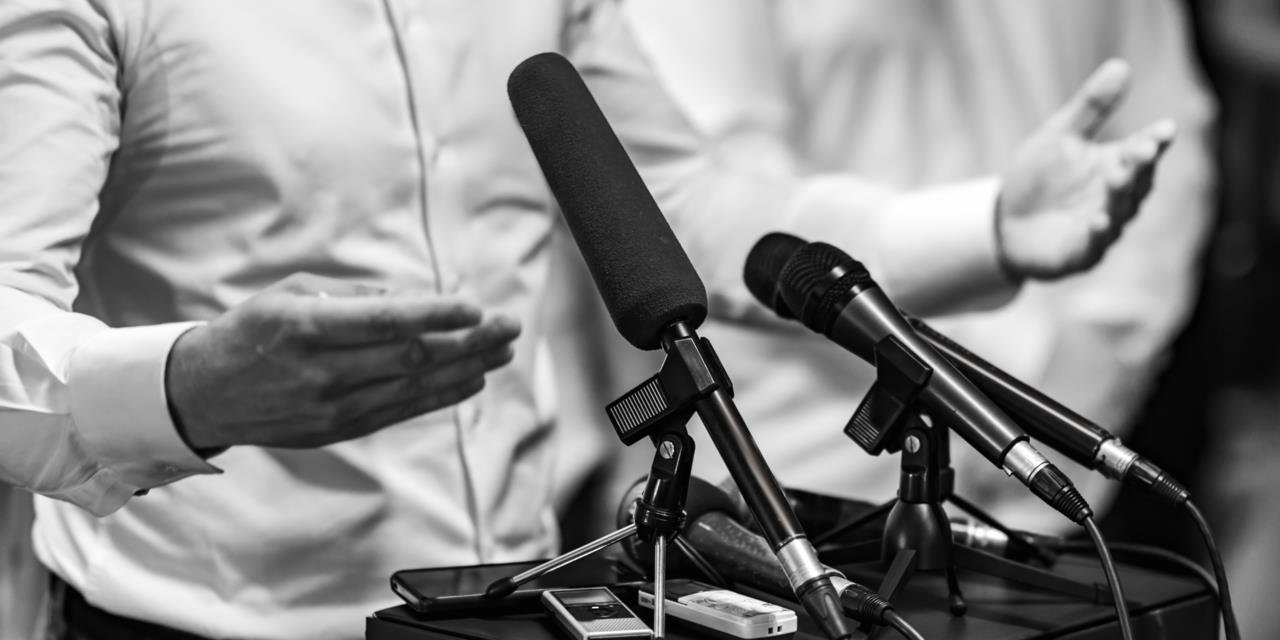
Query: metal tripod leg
x=955, y=599
x=505, y=586
x=993, y=565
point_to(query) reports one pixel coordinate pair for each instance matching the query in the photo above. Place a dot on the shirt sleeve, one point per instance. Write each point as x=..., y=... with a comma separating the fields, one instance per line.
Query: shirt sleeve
x=83, y=415
x=703, y=112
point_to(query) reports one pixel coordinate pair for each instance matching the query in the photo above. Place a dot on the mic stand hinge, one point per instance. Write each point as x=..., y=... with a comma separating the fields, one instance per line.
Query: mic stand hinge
x=690, y=372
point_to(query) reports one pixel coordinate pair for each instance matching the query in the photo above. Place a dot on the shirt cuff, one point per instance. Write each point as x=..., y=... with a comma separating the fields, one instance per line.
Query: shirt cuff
x=120, y=409
x=932, y=250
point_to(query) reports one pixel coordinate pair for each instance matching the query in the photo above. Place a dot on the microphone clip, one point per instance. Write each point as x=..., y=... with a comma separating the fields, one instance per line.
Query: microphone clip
x=886, y=410
x=690, y=372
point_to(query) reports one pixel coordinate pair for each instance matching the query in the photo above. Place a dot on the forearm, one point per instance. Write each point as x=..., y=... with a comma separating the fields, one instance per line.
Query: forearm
x=725, y=177
x=82, y=405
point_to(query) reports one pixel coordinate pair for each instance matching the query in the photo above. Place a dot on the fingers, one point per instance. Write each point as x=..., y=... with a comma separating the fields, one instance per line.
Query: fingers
x=358, y=366
x=1163, y=132
x=1131, y=174
x=386, y=416
x=362, y=320
x=395, y=399
x=405, y=388
x=1097, y=98
x=311, y=284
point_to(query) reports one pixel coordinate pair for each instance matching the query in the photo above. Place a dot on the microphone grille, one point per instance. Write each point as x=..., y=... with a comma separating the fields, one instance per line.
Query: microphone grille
x=816, y=282
x=763, y=270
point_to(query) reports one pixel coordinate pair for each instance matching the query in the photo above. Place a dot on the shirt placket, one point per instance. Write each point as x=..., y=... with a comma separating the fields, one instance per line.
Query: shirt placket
x=430, y=37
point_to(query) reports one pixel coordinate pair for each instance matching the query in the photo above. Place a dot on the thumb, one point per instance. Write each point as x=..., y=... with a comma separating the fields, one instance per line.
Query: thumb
x=1093, y=102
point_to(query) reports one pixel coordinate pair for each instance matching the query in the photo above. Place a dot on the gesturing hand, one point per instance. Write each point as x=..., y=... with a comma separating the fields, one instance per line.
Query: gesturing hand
x=1066, y=196
x=311, y=361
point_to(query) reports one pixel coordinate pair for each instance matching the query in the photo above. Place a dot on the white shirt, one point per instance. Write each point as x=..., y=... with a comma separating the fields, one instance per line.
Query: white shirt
x=162, y=160
x=924, y=97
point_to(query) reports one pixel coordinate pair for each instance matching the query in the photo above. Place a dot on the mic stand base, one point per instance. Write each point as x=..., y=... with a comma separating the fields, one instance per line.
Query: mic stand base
x=917, y=533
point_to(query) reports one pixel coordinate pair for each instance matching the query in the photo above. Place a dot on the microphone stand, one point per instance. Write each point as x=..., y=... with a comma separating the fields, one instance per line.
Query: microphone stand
x=917, y=532
x=659, y=408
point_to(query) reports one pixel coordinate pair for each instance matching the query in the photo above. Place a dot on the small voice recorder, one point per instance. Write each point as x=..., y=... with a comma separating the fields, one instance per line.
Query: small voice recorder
x=594, y=613
x=728, y=613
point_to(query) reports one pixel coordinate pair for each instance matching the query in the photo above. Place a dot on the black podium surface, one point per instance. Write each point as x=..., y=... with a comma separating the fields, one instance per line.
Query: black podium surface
x=1161, y=606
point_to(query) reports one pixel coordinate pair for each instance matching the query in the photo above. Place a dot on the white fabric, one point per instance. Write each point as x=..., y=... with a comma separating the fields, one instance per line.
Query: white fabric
x=923, y=96
x=182, y=156
x=162, y=161
x=24, y=581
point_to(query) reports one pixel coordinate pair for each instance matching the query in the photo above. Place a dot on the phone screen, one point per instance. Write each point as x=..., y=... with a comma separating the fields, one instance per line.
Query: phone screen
x=458, y=591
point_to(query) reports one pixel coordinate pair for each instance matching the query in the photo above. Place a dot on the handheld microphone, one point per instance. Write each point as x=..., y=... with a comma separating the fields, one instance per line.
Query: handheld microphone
x=650, y=288
x=1049, y=421
x=1039, y=415
x=823, y=514
x=834, y=295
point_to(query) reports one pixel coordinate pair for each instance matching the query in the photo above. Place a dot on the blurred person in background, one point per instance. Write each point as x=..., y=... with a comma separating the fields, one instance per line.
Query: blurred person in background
x=927, y=102
x=1228, y=380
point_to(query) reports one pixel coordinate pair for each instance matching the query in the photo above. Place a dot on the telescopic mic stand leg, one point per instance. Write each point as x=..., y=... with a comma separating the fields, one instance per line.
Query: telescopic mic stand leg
x=659, y=588
x=659, y=513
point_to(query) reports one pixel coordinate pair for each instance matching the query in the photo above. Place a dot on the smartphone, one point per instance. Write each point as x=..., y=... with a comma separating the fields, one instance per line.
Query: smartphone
x=728, y=614
x=595, y=613
x=450, y=592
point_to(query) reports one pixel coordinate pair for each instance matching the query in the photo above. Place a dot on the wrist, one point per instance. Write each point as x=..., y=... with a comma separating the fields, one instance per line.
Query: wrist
x=178, y=394
x=1006, y=265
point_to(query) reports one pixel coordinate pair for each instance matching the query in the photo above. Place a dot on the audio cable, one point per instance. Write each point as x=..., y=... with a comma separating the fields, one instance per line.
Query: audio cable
x=1113, y=578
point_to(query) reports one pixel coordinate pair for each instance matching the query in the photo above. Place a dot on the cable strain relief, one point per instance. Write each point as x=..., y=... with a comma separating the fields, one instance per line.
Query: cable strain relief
x=864, y=605
x=1056, y=490
x=825, y=608
x=1159, y=482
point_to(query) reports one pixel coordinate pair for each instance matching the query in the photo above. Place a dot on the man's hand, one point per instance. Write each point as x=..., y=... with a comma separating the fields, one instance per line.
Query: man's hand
x=1066, y=197
x=312, y=361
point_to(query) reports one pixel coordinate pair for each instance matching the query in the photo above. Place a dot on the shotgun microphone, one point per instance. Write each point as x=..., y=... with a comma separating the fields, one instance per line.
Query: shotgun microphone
x=651, y=289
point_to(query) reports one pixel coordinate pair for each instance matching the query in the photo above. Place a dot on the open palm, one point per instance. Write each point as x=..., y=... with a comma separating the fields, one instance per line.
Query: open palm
x=1066, y=197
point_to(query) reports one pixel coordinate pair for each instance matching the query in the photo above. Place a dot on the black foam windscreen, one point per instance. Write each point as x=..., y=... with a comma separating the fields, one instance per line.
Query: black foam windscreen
x=762, y=271
x=642, y=272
